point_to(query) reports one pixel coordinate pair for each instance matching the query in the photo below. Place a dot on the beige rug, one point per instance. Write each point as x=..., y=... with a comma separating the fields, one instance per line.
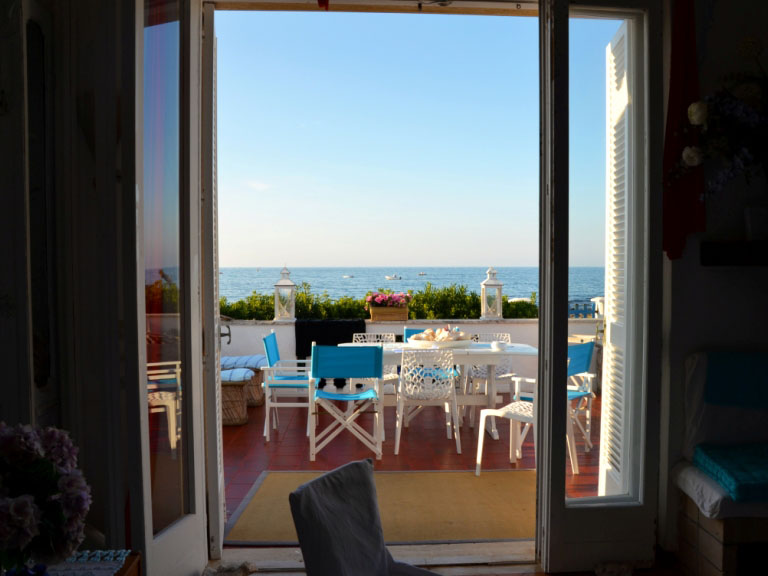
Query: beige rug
x=414, y=507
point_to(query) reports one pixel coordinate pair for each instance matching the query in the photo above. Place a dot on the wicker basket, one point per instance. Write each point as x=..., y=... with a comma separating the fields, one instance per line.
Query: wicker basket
x=388, y=314
x=234, y=410
x=254, y=393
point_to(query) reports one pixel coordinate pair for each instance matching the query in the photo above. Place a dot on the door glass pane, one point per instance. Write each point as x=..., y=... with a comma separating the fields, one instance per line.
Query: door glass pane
x=598, y=176
x=163, y=263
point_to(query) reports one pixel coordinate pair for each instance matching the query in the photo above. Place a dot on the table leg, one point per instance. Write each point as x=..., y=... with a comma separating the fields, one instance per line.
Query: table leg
x=490, y=423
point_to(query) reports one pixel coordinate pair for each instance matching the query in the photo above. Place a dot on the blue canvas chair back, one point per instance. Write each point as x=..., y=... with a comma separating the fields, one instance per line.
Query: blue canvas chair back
x=579, y=358
x=408, y=332
x=271, y=350
x=347, y=362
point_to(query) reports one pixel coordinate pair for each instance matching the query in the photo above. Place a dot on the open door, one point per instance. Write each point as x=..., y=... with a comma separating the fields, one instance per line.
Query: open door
x=170, y=358
x=618, y=525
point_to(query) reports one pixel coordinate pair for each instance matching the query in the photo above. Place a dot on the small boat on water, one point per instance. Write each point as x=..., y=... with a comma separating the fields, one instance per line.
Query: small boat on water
x=347, y=276
x=422, y=273
x=393, y=277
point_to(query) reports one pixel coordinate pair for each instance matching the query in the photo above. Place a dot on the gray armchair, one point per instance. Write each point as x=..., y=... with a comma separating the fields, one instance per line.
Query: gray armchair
x=339, y=528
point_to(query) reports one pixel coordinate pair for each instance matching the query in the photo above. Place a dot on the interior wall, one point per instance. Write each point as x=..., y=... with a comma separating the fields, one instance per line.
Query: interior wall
x=714, y=306
x=92, y=190
x=15, y=338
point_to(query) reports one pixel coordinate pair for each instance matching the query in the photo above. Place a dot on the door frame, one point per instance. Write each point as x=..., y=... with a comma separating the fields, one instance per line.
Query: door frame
x=577, y=535
x=216, y=497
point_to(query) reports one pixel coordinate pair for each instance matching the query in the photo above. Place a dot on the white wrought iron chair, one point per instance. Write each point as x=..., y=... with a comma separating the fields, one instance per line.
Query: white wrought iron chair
x=522, y=410
x=477, y=376
x=427, y=378
x=390, y=375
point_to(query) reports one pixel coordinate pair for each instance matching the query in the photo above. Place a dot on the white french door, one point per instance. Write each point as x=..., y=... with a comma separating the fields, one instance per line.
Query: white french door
x=619, y=524
x=169, y=263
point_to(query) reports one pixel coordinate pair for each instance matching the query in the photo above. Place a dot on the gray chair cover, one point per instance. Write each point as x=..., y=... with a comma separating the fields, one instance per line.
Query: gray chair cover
x=339, y=528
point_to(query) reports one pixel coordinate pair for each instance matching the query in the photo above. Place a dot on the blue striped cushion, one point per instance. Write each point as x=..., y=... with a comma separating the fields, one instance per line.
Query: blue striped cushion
x=741, y=469
x=254, y=362
x=237, y=375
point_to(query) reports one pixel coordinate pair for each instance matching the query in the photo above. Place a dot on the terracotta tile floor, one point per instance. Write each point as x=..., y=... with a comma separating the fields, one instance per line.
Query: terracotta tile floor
x=423, y=446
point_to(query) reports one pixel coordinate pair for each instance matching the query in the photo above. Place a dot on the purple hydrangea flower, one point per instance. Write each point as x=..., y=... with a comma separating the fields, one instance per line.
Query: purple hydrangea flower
x=59, y=448
x=19, y=519
x=20, y=442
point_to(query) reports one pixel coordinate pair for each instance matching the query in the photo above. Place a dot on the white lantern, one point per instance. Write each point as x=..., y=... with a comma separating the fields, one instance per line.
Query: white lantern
x=490, y=297
x=285, y=297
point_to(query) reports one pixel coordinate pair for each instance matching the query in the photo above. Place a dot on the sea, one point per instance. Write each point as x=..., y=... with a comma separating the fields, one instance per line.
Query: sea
x=519, y=282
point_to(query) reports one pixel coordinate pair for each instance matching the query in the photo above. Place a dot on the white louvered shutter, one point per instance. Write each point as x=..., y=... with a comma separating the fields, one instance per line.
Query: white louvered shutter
x=614, y=433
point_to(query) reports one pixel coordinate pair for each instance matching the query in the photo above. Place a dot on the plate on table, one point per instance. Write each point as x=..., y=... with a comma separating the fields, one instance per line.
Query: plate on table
x=440, y=344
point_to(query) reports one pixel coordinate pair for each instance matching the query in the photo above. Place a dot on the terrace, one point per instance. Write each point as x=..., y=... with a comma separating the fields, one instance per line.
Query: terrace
x=424, y=446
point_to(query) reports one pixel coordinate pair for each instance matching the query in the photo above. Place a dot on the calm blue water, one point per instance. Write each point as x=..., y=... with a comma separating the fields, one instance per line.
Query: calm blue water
x=519, y=282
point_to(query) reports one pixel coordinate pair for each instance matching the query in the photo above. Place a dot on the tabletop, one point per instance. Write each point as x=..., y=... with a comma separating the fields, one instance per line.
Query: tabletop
x=478, y=352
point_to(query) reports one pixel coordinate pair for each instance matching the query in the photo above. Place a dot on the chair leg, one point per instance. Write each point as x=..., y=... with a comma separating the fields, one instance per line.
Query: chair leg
x=456, y=429
x=267, y=412
x=379, y=423
x=398, y=425
x=447, y=409
x=480, y=438
x=472, y=409
x=311, y=420
x=571, y=443
x=521, y=439
x=514, y=441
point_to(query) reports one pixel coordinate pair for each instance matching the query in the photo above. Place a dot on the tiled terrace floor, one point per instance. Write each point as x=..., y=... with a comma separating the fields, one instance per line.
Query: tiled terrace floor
x=423, y=446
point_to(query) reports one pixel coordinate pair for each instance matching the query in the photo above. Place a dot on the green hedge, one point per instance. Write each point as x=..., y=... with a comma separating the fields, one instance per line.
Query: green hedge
x=450, y=302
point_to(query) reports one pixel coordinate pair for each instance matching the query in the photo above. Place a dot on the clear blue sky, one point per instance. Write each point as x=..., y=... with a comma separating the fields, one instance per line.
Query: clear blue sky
x=397, y=140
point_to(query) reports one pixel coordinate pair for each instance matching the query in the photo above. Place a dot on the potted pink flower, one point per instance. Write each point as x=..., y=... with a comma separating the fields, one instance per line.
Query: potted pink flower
x=388, y=306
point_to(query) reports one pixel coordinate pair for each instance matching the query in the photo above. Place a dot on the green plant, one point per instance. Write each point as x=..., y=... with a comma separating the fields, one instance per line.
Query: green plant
x=309, y=305
x=450, y=302
x=520, y=308
x=254, y=307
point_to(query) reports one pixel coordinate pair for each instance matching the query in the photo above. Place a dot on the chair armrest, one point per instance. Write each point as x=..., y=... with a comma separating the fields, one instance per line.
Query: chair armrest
x=517, y=380
x=588, y=379
x=272, y=372
x=293, y=363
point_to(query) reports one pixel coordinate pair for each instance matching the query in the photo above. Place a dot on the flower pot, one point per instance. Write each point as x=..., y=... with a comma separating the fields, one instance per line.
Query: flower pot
x=389, y=313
